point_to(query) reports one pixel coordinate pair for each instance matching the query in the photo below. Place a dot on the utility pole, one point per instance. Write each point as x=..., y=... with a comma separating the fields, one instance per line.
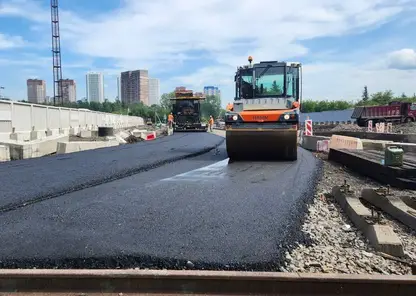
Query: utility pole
x=56, y=54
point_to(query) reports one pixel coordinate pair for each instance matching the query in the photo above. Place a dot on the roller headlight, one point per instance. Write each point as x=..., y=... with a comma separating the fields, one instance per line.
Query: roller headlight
x=235, y=117
x=286, y=117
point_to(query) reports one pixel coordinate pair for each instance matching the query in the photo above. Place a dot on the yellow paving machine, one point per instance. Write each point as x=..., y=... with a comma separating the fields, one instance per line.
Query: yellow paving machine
x=186, y=110
x=263, y=121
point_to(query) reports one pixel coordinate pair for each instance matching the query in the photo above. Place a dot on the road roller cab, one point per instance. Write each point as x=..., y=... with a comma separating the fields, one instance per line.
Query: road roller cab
x=264, y=118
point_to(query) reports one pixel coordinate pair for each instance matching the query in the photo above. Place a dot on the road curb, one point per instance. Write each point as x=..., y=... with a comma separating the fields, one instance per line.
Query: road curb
x=381, y=237
x=118, y=176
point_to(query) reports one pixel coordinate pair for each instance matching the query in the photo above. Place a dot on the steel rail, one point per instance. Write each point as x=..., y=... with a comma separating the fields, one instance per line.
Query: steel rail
x=171, y=282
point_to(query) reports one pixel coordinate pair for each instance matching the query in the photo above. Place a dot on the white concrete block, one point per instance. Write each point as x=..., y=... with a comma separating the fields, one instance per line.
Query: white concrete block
x=85, y=134
x=120, y=139
x=69, y=147
x=4, y=153
x=138, y=133
x=36, y=148
x=20, y=136
x=35, y=135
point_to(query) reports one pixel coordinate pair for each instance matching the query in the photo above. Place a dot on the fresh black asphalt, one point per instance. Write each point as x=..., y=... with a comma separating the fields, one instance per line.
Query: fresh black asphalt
x=240, y=215
x=32, y=180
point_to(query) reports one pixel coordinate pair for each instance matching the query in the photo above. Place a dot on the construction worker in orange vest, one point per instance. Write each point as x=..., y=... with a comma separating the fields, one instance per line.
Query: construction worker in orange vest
x=211, y=122
x=229, y=107
x=170, y=120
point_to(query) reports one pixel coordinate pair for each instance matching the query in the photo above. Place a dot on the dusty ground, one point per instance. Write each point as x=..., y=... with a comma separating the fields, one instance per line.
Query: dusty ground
x=337, y=245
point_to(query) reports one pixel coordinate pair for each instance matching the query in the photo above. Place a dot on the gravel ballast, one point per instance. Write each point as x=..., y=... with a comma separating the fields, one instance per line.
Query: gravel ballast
x=337, y=246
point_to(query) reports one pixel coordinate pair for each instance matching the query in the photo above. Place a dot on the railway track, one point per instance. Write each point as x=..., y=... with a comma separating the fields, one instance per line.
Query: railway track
x=139, y=282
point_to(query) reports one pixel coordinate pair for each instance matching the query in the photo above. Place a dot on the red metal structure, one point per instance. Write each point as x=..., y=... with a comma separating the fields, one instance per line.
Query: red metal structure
x=395, y=112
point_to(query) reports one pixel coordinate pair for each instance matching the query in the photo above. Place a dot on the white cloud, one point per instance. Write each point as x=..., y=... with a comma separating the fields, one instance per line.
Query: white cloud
x=404, y=59
x=7, y=42
x=163, y=34
x=159, y=31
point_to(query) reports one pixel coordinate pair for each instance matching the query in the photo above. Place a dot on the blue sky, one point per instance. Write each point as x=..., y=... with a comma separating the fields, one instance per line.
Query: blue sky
x=343, y=45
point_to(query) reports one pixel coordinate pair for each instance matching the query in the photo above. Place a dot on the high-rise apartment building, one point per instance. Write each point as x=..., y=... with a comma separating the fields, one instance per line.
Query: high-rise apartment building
x=36, y=91
x=135, y=87
x=95, y=87
x=212, y=91
x=69, y=91
x=154, y=91
x=118, y=88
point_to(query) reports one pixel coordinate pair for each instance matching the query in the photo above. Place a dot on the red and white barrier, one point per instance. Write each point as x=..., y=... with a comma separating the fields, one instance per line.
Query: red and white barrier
x=150, y=136
x=322, y=146
x=380, y=127
x=308, y=128
x=370, y=126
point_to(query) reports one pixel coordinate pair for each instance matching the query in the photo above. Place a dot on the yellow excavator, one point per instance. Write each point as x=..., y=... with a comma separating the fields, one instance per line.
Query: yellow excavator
x=263, y=121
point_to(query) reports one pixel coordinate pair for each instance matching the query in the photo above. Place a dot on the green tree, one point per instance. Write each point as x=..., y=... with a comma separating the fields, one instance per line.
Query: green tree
x=165, y=100
x=211, y=106
x=382, y=98
x=365, y=94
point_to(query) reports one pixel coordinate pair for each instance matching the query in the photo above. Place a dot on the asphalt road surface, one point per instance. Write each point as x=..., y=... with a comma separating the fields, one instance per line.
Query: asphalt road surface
x=33, y=179
x=216, y=214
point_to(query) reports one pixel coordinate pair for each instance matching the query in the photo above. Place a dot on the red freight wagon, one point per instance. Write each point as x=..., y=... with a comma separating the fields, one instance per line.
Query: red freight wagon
x=396, y=112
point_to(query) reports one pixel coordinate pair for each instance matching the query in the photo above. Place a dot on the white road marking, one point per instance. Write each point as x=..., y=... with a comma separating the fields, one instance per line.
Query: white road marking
x=212, y=172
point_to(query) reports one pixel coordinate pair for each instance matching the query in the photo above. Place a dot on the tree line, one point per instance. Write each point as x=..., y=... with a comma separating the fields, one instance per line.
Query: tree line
x=212, y=105
x=367, y=99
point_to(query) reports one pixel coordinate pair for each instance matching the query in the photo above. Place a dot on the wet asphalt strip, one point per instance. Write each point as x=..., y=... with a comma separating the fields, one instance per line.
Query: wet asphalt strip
x=235, y=216
x=29, y=181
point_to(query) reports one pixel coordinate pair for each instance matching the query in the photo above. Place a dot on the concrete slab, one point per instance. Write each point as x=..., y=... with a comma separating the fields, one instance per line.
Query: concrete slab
x=393, y=205
x=386, y=240
x=355, y=210
x=409, y=200
x=310, y=142
x=85, y=134
x=123, y=134
x=35, y=135
x=70, y=147
x=36, y=148
x=20, y=136
x=381, y=237
x=4, y=153
x=138, y=133
x=120, y=139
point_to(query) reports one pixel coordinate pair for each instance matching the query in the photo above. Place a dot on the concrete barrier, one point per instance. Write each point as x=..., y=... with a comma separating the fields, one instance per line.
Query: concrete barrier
x=70, y=147
x=343, y=142
x=4, y=153
x=36, y=148
x=310, y=142
x=31, y=120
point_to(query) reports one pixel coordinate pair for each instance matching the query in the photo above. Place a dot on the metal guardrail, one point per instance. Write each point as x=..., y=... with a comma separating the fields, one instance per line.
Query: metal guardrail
x=50, y=282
